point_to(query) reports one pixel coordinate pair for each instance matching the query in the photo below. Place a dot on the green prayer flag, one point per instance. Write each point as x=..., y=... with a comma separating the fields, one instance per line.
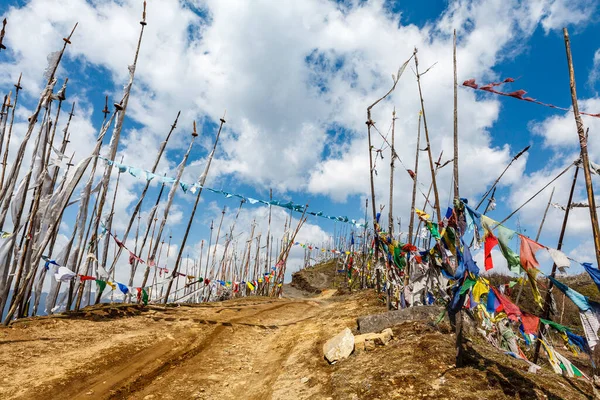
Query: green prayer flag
x=145, y=296
x=555, y=325
x=433, y=228
x=468, y=284
x=505, y=235
x=101, y=284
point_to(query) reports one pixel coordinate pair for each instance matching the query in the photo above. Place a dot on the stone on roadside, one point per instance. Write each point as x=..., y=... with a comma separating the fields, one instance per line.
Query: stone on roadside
x=384, y=337
x=368, y=341
x=339, y=347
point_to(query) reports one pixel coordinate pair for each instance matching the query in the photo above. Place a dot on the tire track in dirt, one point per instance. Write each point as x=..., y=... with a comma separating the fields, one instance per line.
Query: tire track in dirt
x=123, y=388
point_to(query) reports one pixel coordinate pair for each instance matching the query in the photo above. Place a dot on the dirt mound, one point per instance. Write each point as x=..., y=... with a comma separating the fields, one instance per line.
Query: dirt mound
x=316, y=278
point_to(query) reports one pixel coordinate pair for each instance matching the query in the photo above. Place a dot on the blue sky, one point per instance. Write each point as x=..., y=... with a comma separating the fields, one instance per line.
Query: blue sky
x=296, y=78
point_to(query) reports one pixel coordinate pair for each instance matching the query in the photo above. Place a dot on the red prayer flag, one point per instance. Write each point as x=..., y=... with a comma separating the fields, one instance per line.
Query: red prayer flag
x=513, y=311
x=87, y=278
x=490, y=242
x=530, y=323
x=118, y=242
x=470, y=83
x=409, y=247
x=527, y=253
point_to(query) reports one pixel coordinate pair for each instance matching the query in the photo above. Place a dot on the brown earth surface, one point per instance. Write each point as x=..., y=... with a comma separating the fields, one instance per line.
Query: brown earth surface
x=253, y=348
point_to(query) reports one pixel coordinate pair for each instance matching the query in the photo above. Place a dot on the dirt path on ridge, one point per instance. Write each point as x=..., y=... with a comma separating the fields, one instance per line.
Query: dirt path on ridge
x=252, y=348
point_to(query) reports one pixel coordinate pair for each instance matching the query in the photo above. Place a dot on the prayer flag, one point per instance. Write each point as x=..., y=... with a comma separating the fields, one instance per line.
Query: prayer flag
x=123, y=288
x=505, y=235
x=593, y=272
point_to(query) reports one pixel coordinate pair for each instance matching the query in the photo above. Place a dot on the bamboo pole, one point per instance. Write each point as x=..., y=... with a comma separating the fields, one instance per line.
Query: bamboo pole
x=201, y=182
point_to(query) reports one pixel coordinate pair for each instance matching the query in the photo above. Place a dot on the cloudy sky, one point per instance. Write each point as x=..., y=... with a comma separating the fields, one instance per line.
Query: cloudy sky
x=295, y=79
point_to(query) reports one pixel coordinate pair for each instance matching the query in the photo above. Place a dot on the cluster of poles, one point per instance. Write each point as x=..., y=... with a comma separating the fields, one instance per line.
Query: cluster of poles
x=35, y=194
x=387, y=272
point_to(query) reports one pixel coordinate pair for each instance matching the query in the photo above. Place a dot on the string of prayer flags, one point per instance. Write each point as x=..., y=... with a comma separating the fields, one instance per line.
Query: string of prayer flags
x=517, y=94
x=589, y=312
x=138, y=172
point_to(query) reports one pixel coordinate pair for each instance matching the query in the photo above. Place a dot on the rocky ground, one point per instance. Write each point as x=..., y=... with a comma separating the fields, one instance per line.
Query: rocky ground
x=254, y=348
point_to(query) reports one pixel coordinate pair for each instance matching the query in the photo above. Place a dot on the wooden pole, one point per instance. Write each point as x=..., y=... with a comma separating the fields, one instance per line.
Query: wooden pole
x=433, y=179
x=392, y=159
x=12, y=119
x=459, y=314
x=191, y=220
x=456, y=194
x=411, y=223
x=138, y=206
x=515, y=158
x=586, y=170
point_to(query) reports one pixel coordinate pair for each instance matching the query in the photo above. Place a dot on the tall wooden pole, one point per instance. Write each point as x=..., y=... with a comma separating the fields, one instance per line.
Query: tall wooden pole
x=191, y=220
x=456, y=194
x=586, y=166
x=584, y=151
x=411, y=224
x=392, y=159
x=12, y=119
x=433, y=179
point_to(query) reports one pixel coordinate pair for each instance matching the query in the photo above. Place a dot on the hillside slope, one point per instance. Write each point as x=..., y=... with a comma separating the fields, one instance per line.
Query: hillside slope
x=252, y=348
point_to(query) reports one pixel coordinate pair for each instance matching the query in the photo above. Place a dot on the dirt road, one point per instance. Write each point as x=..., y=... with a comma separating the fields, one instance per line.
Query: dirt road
x=251, y=348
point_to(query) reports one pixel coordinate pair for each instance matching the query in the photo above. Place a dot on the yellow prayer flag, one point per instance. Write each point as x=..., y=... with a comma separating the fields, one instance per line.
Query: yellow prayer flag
x=250, y=286
x=422, y=214
x=112, y=285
